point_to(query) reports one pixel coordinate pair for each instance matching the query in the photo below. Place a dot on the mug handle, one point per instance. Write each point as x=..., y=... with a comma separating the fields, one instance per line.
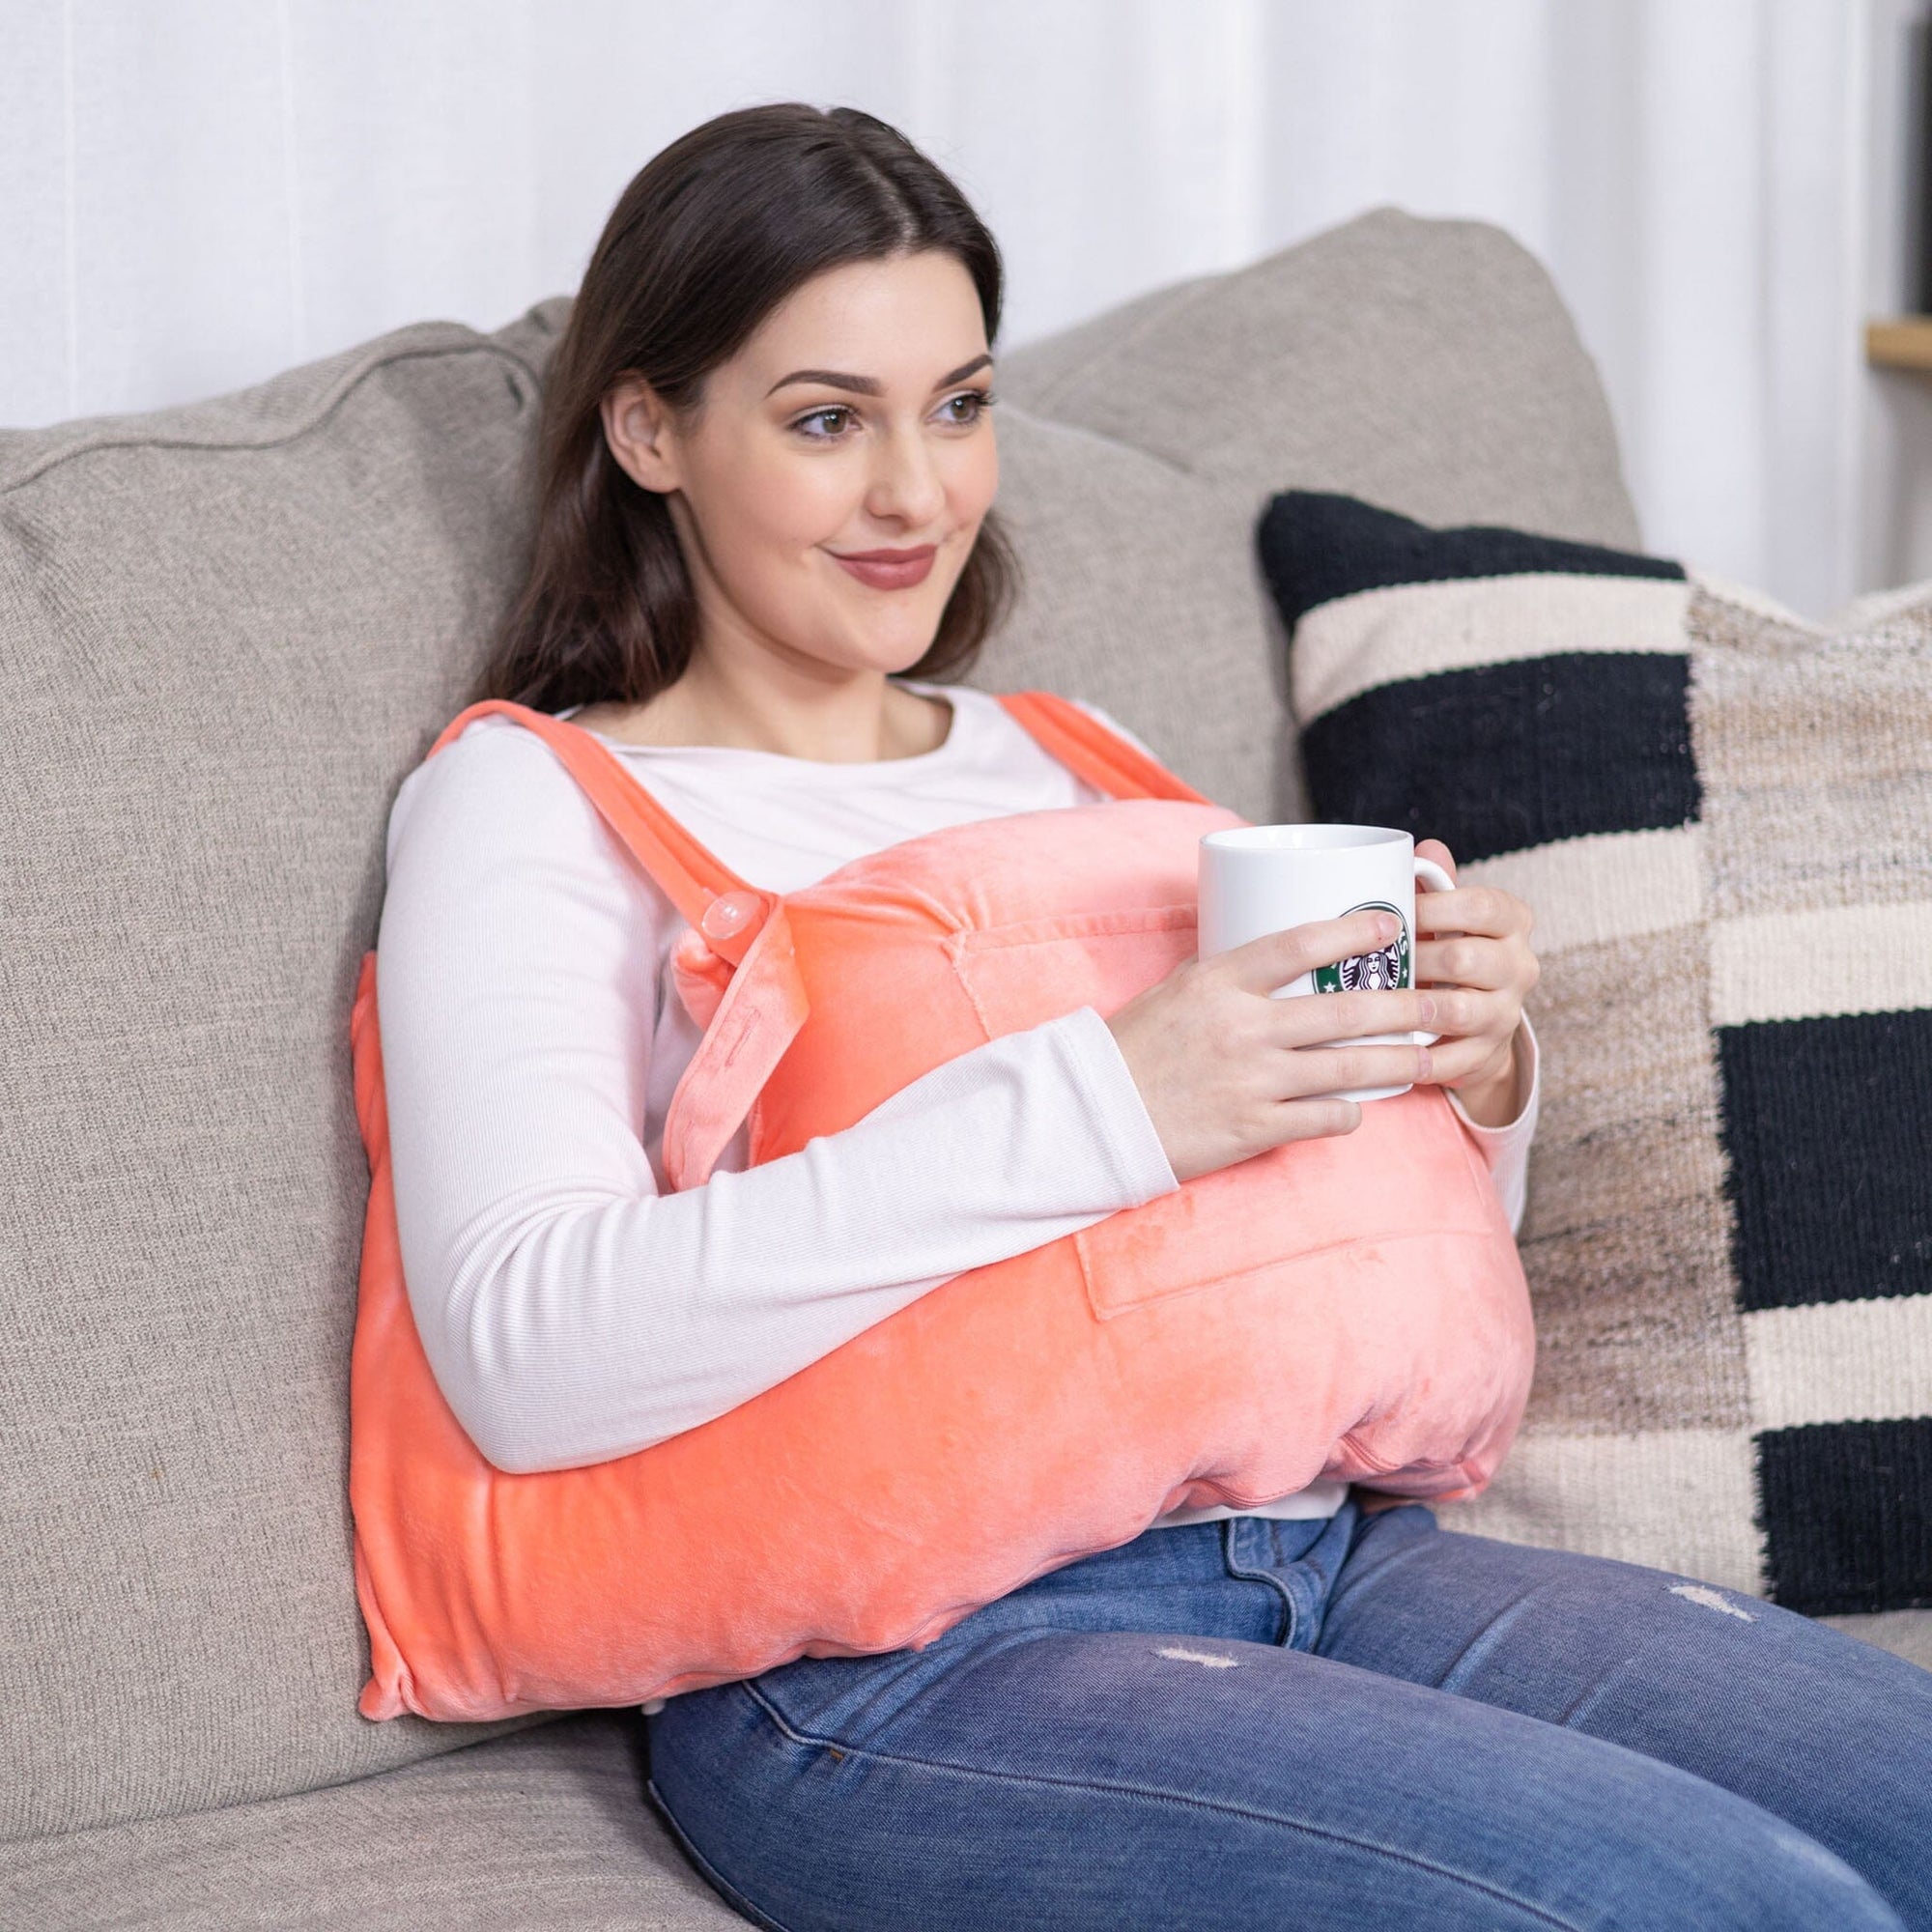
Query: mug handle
x=1429, y=874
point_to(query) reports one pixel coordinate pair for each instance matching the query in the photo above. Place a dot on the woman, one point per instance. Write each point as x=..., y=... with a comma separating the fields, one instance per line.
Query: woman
x=766, y=545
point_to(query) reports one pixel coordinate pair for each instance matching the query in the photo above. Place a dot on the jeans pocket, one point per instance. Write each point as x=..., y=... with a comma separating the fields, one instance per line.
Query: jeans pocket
x=820, y=1699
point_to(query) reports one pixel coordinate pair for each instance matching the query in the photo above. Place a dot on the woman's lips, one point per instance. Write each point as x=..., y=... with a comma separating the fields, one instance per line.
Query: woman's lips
x=890, y=569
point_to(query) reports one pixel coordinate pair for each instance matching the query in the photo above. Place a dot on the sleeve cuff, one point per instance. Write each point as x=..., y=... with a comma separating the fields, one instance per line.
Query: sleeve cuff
x=1116, y=1106
x=1528, y=1081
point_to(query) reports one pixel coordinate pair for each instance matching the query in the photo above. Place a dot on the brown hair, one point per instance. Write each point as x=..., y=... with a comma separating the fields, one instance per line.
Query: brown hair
x=710, y=236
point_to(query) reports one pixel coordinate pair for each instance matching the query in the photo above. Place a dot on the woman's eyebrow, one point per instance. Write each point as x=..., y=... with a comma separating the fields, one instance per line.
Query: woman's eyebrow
x=871, y=385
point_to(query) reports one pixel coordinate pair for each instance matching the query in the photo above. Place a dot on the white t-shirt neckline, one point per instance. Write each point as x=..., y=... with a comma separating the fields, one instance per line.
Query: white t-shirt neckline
x=964, y=738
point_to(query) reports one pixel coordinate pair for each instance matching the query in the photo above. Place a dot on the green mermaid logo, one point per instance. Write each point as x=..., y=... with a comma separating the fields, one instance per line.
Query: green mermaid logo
x=1385, y=970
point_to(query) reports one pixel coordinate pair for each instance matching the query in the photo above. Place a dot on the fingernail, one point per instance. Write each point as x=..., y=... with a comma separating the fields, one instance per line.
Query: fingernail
x=1422, y=1063
x=1386, y=927
x=1428, y=1009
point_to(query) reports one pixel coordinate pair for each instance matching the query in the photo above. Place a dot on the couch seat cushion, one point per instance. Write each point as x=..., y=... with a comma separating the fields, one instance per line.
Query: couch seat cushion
x=549, y=1826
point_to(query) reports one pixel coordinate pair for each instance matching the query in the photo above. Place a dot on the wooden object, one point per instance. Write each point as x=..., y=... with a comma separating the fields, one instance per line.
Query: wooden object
x=1899, y=342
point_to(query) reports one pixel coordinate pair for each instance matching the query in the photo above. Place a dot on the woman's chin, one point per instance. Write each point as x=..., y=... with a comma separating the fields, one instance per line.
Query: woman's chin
x=896, y=649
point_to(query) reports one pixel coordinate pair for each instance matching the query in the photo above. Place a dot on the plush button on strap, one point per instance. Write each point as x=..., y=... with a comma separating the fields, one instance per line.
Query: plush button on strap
x=729, y=914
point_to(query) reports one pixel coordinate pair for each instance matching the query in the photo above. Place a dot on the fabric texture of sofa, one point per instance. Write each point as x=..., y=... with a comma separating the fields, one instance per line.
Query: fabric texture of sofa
x=230, y=629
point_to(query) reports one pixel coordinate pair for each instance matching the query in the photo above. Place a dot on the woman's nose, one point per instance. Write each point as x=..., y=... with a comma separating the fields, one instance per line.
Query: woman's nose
x=907, y=484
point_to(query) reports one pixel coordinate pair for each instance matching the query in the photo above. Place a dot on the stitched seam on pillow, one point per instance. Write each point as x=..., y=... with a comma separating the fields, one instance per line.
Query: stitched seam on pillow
x=1157, y=1296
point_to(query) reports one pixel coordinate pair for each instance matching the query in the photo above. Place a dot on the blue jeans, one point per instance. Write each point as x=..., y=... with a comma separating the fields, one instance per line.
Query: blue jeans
x=1353, y=1722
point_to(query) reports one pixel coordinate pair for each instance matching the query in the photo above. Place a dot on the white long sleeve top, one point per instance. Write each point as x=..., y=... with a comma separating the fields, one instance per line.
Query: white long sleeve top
x=572, y=1309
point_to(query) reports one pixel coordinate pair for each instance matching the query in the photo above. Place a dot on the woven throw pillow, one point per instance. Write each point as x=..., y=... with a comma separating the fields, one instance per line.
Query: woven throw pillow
x=1722, y=817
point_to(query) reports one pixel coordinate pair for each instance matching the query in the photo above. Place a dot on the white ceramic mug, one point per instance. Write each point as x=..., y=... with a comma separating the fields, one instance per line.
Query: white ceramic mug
x=1257, y=879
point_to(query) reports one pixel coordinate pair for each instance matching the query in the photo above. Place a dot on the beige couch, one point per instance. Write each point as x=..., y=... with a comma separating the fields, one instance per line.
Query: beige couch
x=229, y=629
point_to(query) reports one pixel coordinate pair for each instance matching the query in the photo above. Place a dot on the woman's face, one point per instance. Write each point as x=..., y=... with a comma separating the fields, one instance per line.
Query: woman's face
x=853, y=420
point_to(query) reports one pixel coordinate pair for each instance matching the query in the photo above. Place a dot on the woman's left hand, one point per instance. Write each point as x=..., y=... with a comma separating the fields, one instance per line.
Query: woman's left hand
x=1480, y=978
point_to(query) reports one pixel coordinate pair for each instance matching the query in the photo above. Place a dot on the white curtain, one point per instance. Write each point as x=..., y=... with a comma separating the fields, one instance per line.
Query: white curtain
x=196, y=193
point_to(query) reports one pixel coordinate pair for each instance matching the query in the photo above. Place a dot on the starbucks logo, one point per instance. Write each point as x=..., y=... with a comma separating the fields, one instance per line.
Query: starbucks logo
x=1385, y=970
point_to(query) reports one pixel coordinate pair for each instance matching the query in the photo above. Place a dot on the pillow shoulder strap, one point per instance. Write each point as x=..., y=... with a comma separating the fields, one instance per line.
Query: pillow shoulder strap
x=695, y=879
x=1073, y=735
x=692, y=877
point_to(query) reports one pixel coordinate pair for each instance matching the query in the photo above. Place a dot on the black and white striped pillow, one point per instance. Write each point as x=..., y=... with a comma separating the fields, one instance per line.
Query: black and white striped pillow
x=1721, y=817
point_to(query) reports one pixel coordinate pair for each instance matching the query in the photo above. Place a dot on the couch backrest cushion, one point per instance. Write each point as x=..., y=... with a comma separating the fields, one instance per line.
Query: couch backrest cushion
x=231, y=629
x=227, y=630
x=1427, y=365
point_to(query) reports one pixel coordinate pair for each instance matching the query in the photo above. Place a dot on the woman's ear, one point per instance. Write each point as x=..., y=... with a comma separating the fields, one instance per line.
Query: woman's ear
x=639, y=430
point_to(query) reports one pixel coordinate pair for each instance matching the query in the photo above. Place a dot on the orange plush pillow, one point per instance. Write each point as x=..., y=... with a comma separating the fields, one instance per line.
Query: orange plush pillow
x=1348, y=1308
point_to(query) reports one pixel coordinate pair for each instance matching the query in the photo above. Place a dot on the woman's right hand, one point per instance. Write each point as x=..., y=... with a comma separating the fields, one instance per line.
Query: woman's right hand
x=1226, y=1072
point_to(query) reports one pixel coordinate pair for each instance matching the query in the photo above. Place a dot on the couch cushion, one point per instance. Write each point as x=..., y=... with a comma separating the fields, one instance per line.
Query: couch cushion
x=1718, y=814
x=1427, y=364
x=230, y=630
x=547, y=1828
x=1139, y=596
x=1430, y=365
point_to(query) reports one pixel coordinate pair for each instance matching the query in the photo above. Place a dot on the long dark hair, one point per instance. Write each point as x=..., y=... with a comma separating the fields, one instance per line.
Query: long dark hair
x=710, y=236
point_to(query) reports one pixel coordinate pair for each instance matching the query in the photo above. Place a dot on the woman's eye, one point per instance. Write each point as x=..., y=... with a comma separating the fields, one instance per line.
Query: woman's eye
x=977, y=401
x=819, y=416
